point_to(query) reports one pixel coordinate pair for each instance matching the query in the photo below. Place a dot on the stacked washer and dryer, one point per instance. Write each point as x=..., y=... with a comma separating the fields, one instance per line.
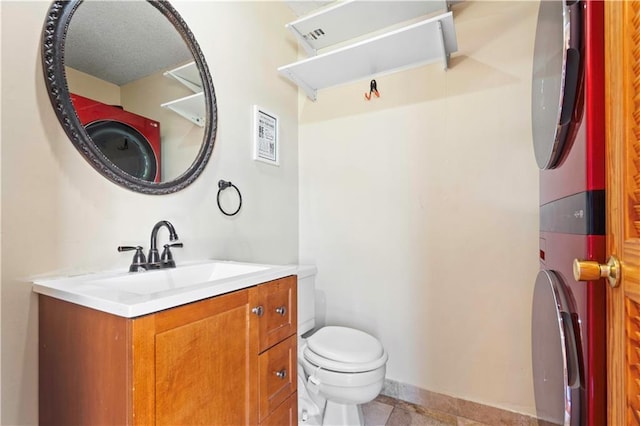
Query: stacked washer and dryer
x=568, y=317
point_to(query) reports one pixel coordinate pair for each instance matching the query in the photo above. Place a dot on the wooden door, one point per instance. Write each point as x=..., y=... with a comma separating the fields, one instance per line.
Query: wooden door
x=622, y=65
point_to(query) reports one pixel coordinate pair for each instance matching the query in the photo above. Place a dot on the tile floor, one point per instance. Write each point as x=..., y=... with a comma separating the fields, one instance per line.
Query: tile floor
x=387, y=411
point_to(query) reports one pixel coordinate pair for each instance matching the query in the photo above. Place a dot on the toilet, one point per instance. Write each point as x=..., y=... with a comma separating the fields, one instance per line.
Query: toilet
x=339, y=368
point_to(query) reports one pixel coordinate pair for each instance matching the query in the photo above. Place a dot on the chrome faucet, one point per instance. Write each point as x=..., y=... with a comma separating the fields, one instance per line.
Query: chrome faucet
x=153, y=260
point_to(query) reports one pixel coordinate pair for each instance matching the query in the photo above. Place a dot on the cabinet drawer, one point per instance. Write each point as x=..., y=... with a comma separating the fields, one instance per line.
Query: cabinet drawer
x=277, y=375
x=285, y=414
x=278, y=311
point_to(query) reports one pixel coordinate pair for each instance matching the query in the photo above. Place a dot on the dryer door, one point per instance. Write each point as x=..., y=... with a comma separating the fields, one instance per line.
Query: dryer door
x=556, y=368
x=126, y=148
x=557, y=69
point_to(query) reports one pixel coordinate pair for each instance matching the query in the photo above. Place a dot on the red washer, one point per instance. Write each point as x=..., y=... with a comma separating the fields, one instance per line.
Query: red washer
x=582, y=165
x=572, y=225
x=130, y=141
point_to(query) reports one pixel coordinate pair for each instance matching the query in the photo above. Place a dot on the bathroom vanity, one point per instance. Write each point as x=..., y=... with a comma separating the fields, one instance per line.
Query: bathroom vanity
x=226, y=359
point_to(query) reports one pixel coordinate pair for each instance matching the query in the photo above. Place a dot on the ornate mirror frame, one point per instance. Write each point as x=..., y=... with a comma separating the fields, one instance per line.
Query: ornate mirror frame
x=52, y=55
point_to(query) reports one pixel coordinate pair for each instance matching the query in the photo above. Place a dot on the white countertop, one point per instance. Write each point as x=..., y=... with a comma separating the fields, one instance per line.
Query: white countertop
x=132, y=294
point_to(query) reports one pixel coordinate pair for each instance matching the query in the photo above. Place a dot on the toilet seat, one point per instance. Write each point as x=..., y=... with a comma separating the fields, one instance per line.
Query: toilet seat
x=344, y=350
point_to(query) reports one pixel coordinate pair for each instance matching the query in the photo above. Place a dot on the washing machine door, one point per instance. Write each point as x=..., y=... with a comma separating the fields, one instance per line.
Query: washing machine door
x=125, y=147
x=557, y=75
x=556, y=366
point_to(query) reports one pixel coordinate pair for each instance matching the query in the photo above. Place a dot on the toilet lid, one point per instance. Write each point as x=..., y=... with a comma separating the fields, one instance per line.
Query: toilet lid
x=341, y=366
x=345, y=345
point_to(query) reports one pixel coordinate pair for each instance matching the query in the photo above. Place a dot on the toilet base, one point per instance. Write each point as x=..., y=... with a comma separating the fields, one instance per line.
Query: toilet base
x=309, y=406
x=336, y=414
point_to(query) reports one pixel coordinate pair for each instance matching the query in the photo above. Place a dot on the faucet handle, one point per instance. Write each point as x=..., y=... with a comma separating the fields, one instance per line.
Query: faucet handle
x=139, y=262
x=166, y=260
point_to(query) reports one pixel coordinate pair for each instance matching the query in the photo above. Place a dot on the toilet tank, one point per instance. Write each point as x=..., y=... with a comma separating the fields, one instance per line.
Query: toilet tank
x=306, y=298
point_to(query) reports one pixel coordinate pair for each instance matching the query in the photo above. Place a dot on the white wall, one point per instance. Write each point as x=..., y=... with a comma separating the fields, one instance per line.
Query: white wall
x=91, y=87
x=59, y=216
x=420, y=209
x=1, y=104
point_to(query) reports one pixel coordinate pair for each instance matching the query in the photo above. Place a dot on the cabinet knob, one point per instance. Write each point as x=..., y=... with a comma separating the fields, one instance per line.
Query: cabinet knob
x=282, y=310
x=258, y=310
x=282, y=374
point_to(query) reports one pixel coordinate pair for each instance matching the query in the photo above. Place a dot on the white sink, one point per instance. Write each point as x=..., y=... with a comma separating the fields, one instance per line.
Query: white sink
x=140, y=293
x=161, y=280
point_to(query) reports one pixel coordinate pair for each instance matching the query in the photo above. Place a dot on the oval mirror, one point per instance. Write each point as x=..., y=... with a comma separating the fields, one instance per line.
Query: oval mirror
x=132, y=90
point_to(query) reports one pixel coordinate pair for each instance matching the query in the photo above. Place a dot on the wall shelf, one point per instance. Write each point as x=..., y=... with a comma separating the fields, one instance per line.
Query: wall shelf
x=424, y=42
x=190, y=107
x=345, y=20
x=188, y=75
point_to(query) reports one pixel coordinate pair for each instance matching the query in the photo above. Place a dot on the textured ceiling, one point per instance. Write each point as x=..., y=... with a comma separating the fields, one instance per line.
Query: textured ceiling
x=122, y=41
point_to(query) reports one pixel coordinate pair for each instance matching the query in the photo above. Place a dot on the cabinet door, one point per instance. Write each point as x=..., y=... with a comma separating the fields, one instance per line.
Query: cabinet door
x=205, y=363
x=277, y=318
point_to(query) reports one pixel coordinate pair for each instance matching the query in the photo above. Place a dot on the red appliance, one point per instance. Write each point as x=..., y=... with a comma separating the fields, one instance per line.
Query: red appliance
x=128, y=140
x=568, y=317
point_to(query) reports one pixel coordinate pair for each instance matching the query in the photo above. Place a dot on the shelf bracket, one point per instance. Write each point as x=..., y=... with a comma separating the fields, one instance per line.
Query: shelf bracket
x=195, y=119
x=445, y=54
x=191, y=107
x=193, y=87
x=310, y=91
x=303, y=41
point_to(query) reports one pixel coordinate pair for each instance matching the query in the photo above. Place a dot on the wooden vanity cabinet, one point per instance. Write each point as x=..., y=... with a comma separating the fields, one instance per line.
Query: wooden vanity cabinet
x=277, y=347
x=196, y=364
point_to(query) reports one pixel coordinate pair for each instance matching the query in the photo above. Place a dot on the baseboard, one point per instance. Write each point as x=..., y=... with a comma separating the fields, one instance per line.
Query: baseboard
x=455, y=406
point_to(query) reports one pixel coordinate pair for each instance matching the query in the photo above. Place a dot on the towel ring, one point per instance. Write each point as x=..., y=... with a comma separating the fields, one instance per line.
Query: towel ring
x=222, y=185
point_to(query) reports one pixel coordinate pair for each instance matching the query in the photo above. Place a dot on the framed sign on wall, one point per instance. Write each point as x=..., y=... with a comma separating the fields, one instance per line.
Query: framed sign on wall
x=265, y=136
